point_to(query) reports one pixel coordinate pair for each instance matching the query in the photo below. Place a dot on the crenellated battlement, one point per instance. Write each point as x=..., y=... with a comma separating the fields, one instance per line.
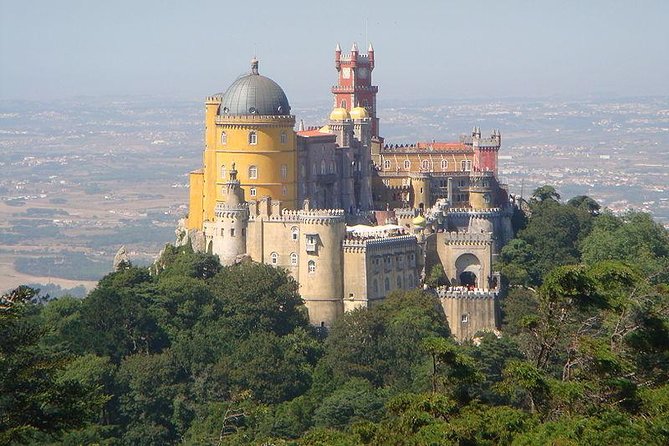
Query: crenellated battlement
x=359, y=244
x=459, y=292
x=468, y=238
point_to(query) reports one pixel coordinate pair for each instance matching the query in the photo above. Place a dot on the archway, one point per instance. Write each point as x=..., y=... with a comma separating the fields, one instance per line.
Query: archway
x=468, y=270
x=468, y=279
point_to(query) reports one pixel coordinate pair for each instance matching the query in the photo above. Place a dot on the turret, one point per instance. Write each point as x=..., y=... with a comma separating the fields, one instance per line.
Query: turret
x=354, y=55
x=338, y=57
x=370, y=55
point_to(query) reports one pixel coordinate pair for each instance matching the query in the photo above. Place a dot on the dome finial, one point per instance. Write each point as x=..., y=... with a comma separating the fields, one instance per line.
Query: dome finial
x=254, y=65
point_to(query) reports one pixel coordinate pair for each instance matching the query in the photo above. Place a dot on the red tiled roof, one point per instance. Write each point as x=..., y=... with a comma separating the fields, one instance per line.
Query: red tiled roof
x=443, y=146
x=311, y=133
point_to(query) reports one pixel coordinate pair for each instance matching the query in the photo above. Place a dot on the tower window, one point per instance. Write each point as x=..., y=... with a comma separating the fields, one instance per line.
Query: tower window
x=464, y=318
x=223, y=172
x=386, y=282
x=253, y=191
x=444, y=164
x=224, y=138
x=293, y=259
x=399, y=282
x=425, y=164
x=274, y=258
x=376, y=286
x=294, y=233
x=253, y=172
x=343, y=104
x=322, y=167
x=407, y=164
x=253, y=138
x=466, y=165
x=284, y=137
x=232, y=232
x=386, y=164
x=284, y=171
x=311, y=266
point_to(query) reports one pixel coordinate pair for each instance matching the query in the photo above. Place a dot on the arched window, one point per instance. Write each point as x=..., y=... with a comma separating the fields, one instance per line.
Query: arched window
x=399, y=282
x=284, y=171
x=376, y=286
x=253, y=138
x=274, y=258
x=253, y=172
x=407, y=164
x=322, y=167
x=410, y=281
x=223, y=172
x=343, y=104
x=253, y=191
x=294, y=233
x=386, y=282
x=224, y=138
x=293, y=259
x=311, y=266
x=466, y=165
x=284, y=190
x=332, y=167
x=284, y=137
x=386, y=164
x=444, y=164
x=425, y=164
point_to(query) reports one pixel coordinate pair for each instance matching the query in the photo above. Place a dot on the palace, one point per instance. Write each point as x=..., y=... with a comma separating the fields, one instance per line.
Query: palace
x=349, y=216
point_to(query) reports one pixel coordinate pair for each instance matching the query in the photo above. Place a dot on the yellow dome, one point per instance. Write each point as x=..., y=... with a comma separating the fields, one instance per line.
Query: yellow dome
x=339, y=114
x=359, y=113
x=419, y=221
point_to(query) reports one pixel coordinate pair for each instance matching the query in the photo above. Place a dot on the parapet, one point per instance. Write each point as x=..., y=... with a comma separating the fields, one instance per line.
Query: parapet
x=468, y=238
x=460, y=292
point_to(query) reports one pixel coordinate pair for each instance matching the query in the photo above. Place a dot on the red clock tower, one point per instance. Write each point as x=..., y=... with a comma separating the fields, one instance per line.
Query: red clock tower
x=354, y=87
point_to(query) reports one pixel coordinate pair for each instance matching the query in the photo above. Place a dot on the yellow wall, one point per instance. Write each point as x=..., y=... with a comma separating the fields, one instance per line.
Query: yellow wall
x=196, y=180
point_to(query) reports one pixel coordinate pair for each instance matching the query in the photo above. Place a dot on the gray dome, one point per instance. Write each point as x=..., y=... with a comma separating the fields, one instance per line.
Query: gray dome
x=254, y=94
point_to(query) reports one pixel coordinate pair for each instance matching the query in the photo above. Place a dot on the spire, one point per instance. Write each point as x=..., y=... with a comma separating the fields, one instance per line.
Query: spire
x=301, y=127
x=233, y=173
x=370, y=49
x=254, y=65
x=338, y=48
x=354, y=48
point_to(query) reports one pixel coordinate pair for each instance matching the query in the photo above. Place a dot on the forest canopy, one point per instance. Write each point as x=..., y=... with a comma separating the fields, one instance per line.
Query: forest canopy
x=190, y=352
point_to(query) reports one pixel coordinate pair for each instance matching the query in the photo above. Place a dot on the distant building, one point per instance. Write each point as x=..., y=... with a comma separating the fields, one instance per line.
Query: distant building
x=349, y=216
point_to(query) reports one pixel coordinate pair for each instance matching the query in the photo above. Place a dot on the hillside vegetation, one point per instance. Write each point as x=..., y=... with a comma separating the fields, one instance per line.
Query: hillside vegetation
x=189, y=352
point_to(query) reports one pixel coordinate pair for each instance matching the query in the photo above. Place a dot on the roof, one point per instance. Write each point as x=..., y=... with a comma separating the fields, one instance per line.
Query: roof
x=313, y=133
x=254, y=94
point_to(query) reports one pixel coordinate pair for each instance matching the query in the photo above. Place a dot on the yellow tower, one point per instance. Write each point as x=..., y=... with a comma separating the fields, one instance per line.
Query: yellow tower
x=249, y=125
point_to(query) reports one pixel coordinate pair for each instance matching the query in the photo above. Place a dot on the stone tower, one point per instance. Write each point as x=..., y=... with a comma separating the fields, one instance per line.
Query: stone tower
x=225, y=234
x=354, y=84
x=321, y=269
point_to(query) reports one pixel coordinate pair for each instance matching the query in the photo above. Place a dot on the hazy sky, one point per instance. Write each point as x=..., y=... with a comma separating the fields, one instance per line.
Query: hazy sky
x=439, y=49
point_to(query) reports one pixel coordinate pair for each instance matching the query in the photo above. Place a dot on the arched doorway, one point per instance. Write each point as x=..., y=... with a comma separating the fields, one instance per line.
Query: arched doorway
x=468, y=270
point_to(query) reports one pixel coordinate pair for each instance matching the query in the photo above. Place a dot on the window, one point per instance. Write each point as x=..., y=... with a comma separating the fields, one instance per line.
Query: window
x=253, y=191
x=311, y=266
x=466, y=165
x=274, y=258
x=464, y=318
x=303, y=171
x=444, y=164
x=343, y=103
x=253, y=138
x=399, y=282
x=387, y=284
x=425, y=164
x=411, y=284
x=322, y=167
x=222, y=232
x=332, y=167
x=312, y=241
x=376, y=286
x=386, y=164
x=284, y=190
x=224, y=138
x=223, y=171
x=284, y=171
x=294, y=233
x=293, y=259
x=284, y=137
x=407, y=164
x=232, y=232
x=253, y=172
